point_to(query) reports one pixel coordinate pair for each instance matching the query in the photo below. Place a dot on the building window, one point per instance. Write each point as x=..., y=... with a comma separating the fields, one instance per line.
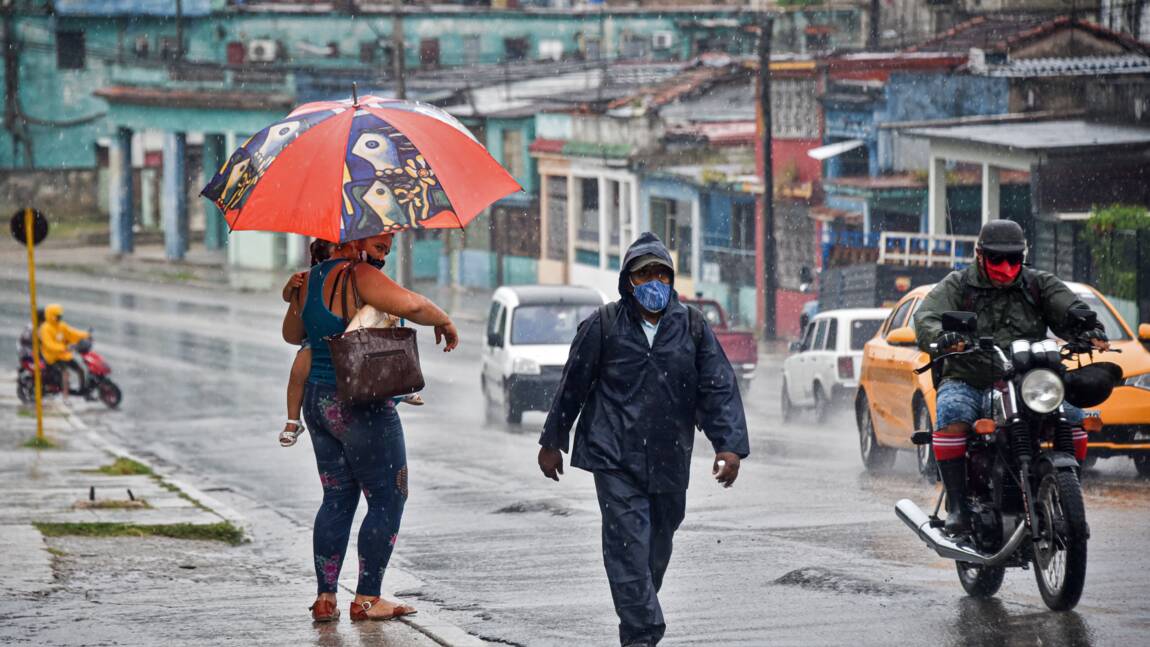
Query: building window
x=141, y=47
x=671, y=222
x=71, y=53
x=556, y=188
x=516, y=49
x=429, y=52
x=589, y=215
x=743, y=226
x=513, y=157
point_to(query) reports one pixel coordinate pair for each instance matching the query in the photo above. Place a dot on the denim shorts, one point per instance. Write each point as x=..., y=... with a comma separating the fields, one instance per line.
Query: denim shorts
x=958, y=401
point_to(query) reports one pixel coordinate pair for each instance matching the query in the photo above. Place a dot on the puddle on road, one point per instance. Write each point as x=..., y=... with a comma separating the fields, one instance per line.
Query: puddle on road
x=822, y=579
x=523, y=507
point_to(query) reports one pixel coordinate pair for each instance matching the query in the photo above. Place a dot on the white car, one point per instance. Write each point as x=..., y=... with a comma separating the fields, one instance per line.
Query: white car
x=824, y=366
x=529, y=333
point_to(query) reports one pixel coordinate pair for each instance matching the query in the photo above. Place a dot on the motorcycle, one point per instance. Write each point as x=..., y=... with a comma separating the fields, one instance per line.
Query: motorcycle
x=1023, y=483
x=96, y=383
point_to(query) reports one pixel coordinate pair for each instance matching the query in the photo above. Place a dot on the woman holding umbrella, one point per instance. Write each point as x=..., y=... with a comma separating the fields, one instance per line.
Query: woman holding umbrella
x=357, y=447
x=356, y=172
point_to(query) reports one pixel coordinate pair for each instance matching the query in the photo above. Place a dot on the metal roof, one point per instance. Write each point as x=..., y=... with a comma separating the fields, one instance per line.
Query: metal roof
x=1071, y=66
x=1042, y=135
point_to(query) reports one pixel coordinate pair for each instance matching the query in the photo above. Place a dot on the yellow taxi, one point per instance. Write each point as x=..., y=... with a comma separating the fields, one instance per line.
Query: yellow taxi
x=893, y=401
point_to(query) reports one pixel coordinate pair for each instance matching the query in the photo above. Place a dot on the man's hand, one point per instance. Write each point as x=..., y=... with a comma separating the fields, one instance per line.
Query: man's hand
x=951, y=342
x=726, y=468
x=447, y=333
x=551, y=462
x=1098, y=339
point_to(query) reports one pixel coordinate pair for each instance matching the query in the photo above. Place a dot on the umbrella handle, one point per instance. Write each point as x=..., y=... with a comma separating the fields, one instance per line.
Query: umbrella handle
x=354, y=94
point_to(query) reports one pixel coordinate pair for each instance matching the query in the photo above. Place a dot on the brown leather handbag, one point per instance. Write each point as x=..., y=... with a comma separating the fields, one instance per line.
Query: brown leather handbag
x=373, y=364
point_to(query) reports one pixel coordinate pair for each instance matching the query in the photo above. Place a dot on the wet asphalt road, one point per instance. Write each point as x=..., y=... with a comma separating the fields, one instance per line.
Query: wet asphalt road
x=805, y=549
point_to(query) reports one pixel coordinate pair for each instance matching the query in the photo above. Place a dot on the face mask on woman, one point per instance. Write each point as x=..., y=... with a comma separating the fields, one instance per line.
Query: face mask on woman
x=654, y=295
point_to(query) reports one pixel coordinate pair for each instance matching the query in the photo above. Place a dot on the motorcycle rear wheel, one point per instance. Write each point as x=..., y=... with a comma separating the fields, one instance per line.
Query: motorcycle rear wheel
x=109, y=393
x=1060, y=554
x=980, y=581
x=25, y=390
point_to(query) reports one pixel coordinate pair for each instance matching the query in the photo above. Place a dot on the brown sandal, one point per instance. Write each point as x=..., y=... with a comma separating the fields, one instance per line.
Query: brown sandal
x=324, y=611
x=359, y=610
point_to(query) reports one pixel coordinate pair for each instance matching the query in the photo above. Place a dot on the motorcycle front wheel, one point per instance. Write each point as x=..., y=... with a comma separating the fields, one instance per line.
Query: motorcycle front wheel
x=1060, y=553
x=109, y=393
x=980, y=581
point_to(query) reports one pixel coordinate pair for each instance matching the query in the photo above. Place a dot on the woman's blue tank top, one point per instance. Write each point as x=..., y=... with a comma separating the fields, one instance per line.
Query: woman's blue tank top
x=319, y=323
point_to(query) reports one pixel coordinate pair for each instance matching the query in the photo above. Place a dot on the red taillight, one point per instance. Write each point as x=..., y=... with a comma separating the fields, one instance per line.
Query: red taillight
x=846, y=367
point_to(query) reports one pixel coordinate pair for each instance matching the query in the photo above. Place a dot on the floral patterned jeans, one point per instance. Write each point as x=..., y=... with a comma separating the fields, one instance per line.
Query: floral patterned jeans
x=357, y=449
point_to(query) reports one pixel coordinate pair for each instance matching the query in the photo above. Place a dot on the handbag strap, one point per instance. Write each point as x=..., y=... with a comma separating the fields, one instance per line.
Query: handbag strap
x=349, y=278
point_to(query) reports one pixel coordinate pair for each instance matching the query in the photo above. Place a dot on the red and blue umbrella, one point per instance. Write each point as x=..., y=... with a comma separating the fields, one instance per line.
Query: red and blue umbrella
x=345, y=170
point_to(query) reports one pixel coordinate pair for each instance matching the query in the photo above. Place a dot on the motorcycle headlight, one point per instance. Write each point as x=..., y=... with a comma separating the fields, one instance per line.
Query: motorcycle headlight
x=1139, y=381
x=525, y=366
x=1042, y=390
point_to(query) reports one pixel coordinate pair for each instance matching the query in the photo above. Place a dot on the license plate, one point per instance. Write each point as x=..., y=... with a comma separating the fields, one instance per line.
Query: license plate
x=1142, y=435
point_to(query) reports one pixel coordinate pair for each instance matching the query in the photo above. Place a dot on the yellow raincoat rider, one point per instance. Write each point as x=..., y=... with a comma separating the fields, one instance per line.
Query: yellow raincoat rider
x=55, y=339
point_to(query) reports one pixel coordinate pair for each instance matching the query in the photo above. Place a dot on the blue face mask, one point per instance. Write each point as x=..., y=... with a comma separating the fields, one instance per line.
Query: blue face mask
x=654, y=295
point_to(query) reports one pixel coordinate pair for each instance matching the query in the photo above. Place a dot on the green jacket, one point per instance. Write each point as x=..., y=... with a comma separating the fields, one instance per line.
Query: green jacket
x=1022, y=310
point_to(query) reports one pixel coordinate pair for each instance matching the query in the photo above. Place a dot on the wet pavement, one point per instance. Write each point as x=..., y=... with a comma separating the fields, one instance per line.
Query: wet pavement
x=805, y=549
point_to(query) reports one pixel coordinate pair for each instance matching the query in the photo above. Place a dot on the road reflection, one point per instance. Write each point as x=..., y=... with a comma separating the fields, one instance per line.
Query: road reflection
x=988, y=623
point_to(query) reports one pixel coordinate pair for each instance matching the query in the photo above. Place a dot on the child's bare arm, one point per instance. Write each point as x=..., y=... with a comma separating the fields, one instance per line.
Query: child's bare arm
x=299, y=370
x=294, y=283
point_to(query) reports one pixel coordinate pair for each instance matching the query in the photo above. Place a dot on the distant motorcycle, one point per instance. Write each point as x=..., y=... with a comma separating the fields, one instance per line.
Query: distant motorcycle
x=1022, y=476
x=97, y=384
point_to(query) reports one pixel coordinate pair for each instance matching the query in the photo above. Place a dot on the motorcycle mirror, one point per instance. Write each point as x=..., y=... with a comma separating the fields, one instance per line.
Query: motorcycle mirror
x=959, y=321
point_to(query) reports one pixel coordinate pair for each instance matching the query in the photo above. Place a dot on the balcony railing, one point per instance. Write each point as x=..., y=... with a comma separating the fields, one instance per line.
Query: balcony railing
x=925, y=250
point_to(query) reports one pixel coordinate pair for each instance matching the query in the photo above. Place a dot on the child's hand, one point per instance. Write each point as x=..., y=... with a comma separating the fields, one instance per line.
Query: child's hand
x=293, y=284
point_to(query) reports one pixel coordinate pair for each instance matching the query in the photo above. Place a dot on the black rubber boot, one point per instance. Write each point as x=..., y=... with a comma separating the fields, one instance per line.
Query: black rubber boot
x=957, y=509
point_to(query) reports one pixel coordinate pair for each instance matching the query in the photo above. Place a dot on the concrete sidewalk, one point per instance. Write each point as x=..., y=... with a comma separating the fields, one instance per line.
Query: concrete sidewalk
x=180, y=569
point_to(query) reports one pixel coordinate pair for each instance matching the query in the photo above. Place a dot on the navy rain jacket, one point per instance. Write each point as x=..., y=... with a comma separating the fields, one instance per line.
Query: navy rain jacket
x=637, y=404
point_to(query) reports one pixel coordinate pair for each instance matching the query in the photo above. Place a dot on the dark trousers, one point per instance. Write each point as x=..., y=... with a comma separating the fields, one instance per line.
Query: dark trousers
x=637, y=531
x=358, y=450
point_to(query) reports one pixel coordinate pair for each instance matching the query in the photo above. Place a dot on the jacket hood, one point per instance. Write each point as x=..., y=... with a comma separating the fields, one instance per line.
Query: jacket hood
x=53, y=312
x=647, y=243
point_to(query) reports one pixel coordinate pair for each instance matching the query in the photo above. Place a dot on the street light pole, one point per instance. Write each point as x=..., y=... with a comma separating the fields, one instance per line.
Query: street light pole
x=399, y=66
x=770, y=264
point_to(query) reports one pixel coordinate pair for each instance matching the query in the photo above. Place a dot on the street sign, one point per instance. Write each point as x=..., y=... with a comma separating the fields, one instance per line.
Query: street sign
x=39, y=227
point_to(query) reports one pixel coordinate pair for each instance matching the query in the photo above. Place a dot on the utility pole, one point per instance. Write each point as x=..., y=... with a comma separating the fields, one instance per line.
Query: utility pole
x=179, y=30
x=399, y=66
x=872, y=41
x=770, y=264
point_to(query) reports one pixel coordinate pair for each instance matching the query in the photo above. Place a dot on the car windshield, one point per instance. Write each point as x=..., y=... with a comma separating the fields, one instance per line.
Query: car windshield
x=553, y=323
x=862, y=330
x=1114, y=330
x=711, y=313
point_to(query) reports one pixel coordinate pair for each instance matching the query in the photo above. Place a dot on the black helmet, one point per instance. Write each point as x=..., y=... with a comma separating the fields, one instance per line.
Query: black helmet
x=1091, y=385
x=1002, y=236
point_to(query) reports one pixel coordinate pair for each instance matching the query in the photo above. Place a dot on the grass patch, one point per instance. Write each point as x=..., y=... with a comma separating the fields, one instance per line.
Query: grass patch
x=40, y=443
x=125, y=467
x=183, y=495
x=223, y=531
x=56, y=552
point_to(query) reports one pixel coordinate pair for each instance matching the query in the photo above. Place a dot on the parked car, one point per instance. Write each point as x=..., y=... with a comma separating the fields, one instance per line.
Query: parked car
x=740, y=347
x=823, y=367
x=893, y=402
x=529, y=333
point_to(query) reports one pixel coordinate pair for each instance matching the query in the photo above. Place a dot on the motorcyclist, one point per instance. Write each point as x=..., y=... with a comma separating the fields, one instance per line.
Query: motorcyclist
x=1012, y=302
x=56, y=338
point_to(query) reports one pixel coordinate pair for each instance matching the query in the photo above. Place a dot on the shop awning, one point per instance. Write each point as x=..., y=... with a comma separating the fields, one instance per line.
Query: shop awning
x=838, y=148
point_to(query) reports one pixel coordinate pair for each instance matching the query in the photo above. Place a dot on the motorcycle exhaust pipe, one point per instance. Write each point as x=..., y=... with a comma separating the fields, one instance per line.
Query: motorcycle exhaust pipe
x=919, y=522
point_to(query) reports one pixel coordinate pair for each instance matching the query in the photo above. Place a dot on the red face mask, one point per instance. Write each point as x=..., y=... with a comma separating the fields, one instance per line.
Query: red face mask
x=1002, y=273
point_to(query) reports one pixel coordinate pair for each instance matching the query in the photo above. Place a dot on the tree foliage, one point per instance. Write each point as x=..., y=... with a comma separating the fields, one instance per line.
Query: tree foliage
x=1112, y=234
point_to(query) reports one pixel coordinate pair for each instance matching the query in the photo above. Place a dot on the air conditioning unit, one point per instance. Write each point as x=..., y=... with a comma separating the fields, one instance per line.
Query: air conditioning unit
x=662, y=39
x=263, y=50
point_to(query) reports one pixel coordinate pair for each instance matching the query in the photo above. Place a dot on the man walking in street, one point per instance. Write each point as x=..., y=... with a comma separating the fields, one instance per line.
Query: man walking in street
x=642, y=372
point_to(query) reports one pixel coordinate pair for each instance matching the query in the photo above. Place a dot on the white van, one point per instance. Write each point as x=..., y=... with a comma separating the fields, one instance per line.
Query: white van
x=529, y=333
x=824, y=366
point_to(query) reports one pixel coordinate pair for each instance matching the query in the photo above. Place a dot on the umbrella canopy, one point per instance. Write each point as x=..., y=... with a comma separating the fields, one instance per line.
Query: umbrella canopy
x=345, y=170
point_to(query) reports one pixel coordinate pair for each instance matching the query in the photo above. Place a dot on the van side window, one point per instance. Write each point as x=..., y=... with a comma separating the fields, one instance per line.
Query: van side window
x=820, y=335
x=493, y=317
x=502, y=329
x=832, y=334
x=808, y=335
